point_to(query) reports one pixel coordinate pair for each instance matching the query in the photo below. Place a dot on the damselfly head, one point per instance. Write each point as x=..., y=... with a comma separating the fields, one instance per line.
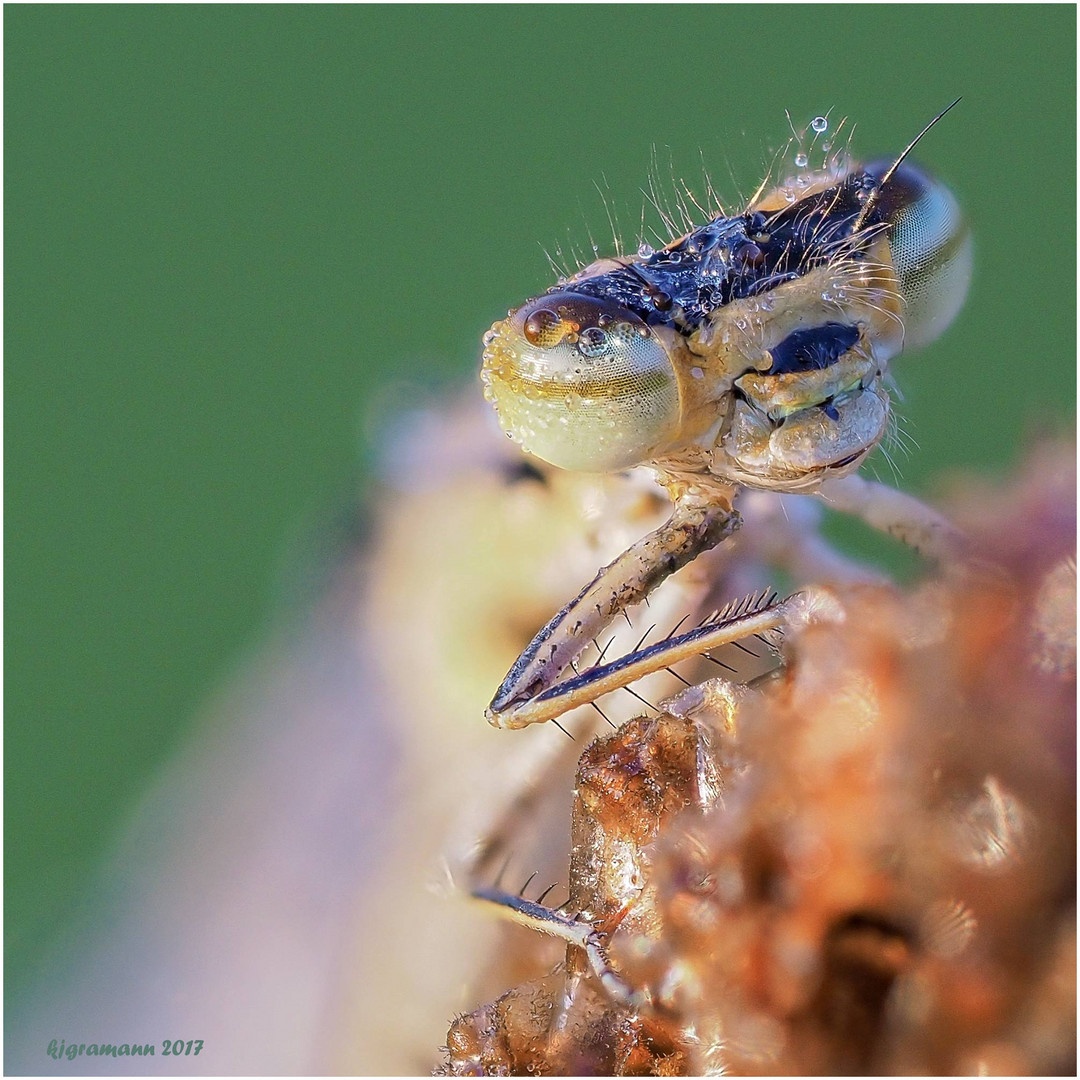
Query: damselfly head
x=754, y=347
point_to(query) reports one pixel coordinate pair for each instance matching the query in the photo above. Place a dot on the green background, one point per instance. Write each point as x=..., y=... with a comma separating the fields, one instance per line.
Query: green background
x=237, y=237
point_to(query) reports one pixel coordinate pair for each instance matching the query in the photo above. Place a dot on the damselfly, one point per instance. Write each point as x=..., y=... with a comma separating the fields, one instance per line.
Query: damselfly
x=751, y=352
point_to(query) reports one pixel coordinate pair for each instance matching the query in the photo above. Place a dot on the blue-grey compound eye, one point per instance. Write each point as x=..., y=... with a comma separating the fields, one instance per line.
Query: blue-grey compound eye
x=581, y=382
x=930, y=245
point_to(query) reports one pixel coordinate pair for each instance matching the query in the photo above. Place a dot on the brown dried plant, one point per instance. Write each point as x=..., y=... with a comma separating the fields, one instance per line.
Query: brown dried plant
x=863, y=864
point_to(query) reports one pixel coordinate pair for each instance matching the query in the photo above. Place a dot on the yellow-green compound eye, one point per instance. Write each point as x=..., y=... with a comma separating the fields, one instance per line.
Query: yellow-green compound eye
x=581, y=382
x=931, y=251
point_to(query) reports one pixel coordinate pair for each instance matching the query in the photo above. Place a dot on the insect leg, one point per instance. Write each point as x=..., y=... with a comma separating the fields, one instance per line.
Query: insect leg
x=695, y=526
x=574, y=930
x=757, y=614
x=502, y=821
x=894, y=513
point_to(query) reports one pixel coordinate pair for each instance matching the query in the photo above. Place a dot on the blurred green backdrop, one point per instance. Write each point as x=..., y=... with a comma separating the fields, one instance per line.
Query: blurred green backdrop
x=230, y=229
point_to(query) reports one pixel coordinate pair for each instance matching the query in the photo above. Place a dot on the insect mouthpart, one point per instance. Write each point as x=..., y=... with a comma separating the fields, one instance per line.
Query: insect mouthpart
x=819, y=407
x=795, y=452
x=581, y=382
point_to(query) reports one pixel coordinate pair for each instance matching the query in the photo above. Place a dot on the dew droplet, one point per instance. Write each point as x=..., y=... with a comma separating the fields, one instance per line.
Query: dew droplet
x=819, y=124
x=592, y=341
x=645, y=250
x=826, y=146
x=800, y=160
x=543, y=327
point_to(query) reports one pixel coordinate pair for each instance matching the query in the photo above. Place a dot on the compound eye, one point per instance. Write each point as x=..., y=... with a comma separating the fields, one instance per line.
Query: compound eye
x=930, y=245
x=581, y=382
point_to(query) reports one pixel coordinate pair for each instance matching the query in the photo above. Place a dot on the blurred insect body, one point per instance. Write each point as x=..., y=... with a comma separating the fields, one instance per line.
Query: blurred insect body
x=751, y=352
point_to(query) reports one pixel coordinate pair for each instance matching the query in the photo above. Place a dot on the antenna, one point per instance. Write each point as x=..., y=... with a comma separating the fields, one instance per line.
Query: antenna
x=875, y=195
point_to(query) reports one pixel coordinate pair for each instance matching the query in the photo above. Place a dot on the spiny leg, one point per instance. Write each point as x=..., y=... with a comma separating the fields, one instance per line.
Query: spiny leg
x=696, y=525
x=754, y=615
x=531, y=692
x=572, y=929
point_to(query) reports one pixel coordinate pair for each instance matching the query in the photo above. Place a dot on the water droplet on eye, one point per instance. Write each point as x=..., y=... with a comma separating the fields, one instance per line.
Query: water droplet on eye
x=800, y=160
x=645, y=250
x=592, y=341
x=819, y=124
x=542, y=328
